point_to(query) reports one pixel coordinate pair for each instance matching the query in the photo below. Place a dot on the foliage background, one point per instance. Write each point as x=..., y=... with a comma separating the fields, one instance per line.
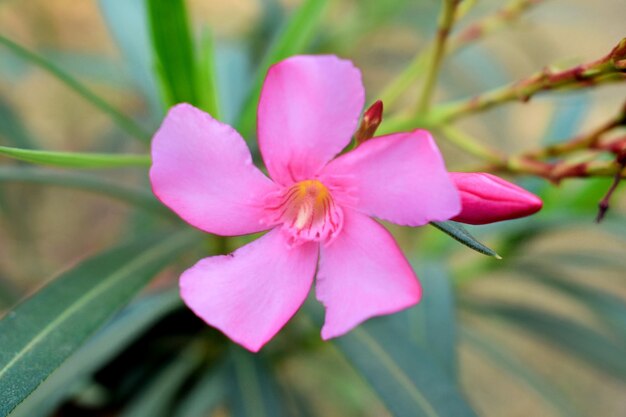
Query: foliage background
x=542, y=332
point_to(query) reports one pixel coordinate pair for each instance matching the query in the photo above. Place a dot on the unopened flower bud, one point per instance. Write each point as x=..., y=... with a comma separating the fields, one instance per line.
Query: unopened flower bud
x=486, y=198
x=371, y=120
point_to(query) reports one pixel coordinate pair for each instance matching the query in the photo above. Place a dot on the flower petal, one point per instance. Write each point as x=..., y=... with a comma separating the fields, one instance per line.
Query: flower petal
x=363, y=274
x=400, y=178
x=202, y=170
x=250, y=294
x=308, y=110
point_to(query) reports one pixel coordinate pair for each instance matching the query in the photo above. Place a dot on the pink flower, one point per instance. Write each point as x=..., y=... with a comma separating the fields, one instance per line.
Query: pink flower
x=315, y=207
x=486, y=198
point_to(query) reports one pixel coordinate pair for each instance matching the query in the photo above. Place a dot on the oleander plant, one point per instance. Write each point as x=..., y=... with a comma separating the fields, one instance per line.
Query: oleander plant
x=312, y=208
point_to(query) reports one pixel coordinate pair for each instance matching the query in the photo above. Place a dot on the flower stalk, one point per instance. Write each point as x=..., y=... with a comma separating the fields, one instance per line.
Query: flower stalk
x=446, y=20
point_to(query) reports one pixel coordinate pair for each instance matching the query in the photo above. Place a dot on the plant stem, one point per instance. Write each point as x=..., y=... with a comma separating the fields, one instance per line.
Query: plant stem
x=492, y=22
x=478, y=30
x=588, y=140
x=611, y=68
x=446, y=20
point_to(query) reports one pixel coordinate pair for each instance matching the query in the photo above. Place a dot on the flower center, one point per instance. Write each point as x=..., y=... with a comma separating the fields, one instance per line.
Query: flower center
x=307, y=212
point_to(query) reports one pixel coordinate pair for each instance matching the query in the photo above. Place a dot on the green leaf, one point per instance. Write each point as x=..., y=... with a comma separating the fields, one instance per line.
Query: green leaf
x=76, y=159
x=136, y=196
x=405, y=376
x=570, y=336
x=460, y=234
x=156, y=398
x=254, y=392
x=506, y=361
x=432, y=323
x=205, y=395
x=207, y=76
x=124, y=328
x=293, y=39
x=124, y=122
x=44, y=330
x=173, y=51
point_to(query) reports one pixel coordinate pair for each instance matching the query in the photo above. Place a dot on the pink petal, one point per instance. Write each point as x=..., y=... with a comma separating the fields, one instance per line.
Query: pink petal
x=308, y=110
x=363, y=274
x=486, y=198
x=203, y=171
x=400, y=178
x=250, y=294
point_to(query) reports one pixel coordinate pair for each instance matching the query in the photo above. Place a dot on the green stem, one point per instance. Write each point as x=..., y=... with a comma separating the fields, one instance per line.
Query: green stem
x=124, y=122
x=478, y=30
x=76, y=159
x=446, y=20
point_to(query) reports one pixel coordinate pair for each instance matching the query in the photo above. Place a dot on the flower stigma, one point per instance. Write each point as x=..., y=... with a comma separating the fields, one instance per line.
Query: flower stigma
x=307, y=212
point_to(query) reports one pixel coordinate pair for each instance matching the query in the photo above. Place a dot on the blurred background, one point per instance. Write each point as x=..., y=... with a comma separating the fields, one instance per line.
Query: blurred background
x=541, y=332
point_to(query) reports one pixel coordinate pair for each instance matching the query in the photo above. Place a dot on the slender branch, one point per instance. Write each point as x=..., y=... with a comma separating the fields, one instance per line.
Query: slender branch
x=603, y=205
x=446, y=20
x=611, y=68
x=492, y=22
x=558, y=171
x=590, y=140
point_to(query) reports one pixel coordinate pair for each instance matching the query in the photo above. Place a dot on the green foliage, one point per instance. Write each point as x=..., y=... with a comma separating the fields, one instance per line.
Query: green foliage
x=406, y=377
x=51, y=325
x=255, y=392
x=174, y=51
x=460, y=234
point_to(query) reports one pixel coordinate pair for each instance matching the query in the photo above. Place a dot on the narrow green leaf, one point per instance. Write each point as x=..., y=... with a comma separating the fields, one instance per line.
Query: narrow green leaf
x=76, y=159
x=570, y=336
x=293, y=39
x=205, y=396
x=124, y=328
x=460, y=234
x=71, y=179
x=123, y=121
x=519, y=370
x=207, y=76
x=432, y=323
x=405, y=376
x=254, y=392
x=173, y=51
x=156, y=398
x=44, y=330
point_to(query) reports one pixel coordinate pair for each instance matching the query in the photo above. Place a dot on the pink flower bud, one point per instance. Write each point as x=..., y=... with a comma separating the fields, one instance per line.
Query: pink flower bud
x=486, y=198
x=372, y=118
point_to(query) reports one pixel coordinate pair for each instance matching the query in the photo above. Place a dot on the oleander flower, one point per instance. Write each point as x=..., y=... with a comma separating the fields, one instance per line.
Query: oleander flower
x=317, y=206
